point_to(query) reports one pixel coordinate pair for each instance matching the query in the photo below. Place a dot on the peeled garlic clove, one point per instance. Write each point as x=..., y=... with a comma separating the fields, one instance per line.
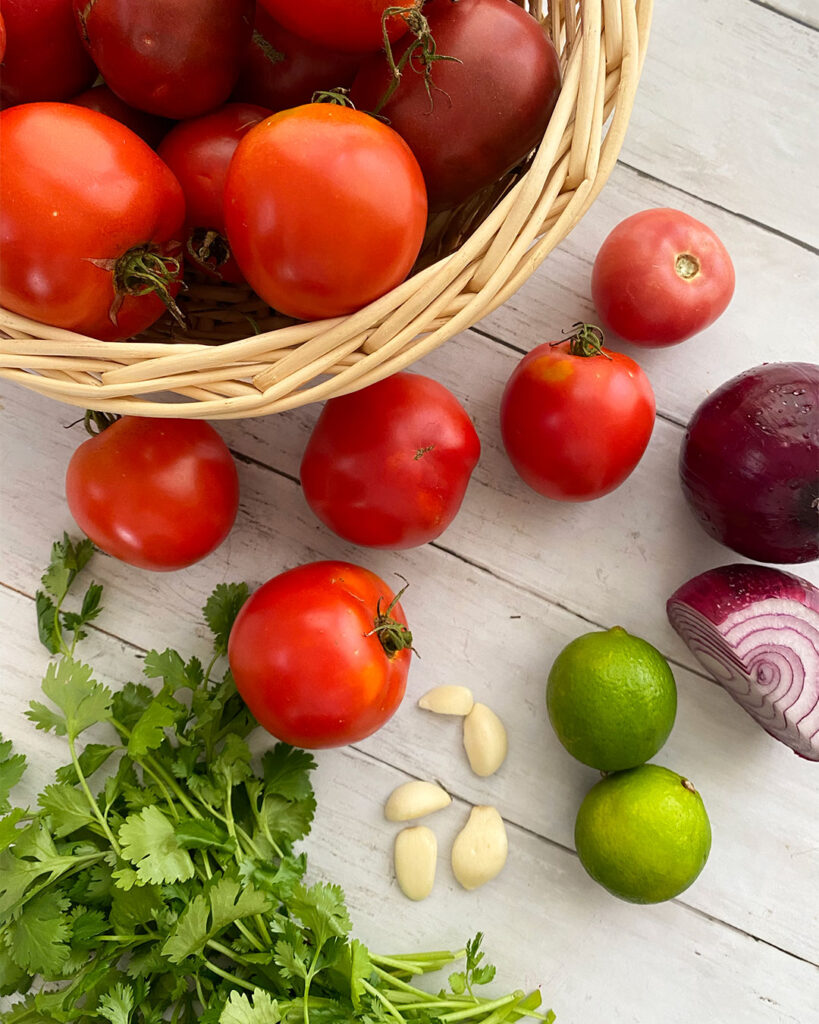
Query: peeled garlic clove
x=485, y=740
x=448, y=700
x=415, y=857
x=414, y=800
x=480, y=848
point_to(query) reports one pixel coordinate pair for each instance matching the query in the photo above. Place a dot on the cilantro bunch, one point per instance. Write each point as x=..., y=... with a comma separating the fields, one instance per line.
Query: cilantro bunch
x=157, y=878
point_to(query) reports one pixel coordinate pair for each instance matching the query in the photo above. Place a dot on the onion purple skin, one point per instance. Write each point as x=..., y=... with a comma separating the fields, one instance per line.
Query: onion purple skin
x=749, y=463
x=755, y=629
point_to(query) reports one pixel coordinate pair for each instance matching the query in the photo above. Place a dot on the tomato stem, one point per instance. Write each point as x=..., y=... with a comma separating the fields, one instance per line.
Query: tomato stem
x=393, y=635
x=338, y=96
x=686, y=266
x=95, y=421
x=424, y=47
x=143, y=270
x=209, y=248
x=586, y=340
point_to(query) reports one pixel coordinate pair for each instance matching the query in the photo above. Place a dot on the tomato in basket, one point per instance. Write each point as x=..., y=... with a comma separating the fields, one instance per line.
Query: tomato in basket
x=283, y=70
x=199, y=151
x=388, y=466
x=175, y=58
x=575, y=417
x=660, y=277
x=44, y=58
x=480, y=113
x=325, y=210
x=90, y=221
x=320, y=654
x=354, y=26
x=160, y=494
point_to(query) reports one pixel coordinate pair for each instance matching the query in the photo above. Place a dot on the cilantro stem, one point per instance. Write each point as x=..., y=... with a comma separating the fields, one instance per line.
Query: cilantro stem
x=228, y=976
x=383, y=1000
x=93, y=803
x=483, y=1007
x=399, y=983
x=230, y=953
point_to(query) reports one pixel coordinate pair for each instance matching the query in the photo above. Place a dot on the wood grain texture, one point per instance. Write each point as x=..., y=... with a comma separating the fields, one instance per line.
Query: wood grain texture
x=516, y=577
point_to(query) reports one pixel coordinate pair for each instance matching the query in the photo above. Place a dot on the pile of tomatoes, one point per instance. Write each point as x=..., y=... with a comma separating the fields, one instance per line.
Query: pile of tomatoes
x=295, y=146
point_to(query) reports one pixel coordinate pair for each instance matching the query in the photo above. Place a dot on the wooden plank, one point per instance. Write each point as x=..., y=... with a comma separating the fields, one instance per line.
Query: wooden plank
x=547, y=925
x=721, y=110
x=800, y=10
x=466, y=625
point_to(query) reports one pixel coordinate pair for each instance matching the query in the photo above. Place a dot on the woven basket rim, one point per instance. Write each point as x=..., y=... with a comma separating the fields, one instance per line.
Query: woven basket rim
x=602, y=44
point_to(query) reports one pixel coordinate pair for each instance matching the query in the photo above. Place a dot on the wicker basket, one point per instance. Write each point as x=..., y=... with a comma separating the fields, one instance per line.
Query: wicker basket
x=474, y=260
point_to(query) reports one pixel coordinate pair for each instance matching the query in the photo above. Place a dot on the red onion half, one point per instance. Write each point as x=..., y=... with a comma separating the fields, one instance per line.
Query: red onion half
x=756, y=631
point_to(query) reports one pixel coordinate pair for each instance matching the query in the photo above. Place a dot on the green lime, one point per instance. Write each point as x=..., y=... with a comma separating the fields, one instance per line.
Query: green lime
x=643, y=834
x=611, y=699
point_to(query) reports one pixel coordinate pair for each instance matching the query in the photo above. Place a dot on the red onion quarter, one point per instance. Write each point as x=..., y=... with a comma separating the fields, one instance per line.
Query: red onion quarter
x=749, y=464
x=755, y=629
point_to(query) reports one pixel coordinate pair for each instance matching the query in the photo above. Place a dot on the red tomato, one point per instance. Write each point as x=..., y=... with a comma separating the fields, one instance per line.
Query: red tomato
x=661, y=276
x=85, y=206
x=486, y=110
x=283, y=70
x=325, y=210
x=156, y=493
x=351, y=25
x=175, y=58
x=576, y=418
x=2, y=37
x=398, y=486
x=198, y=152
x=320, y=654
x=45, y=58
x=148, y=127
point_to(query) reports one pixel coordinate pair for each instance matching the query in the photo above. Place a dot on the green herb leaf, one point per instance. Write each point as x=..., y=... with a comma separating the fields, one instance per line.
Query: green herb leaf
x=67, y=559
x=117, y=1005
x=148, y=731
x=84, y=702
x=47, y=622
x=321, y=908
x=12, y=767
x=68, y=809
x=221, y=609
x=38, y=937
x=92, y=758
x=259, y=1009
x=149, y=842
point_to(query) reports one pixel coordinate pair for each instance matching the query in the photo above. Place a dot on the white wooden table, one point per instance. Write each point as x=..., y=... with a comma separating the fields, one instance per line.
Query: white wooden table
x=725, y=129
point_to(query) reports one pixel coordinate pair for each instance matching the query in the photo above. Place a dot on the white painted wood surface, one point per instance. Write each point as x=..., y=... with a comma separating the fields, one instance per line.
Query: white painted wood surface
x=724, y=128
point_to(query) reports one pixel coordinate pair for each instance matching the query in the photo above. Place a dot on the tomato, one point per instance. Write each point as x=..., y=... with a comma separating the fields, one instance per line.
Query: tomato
x=148, y=127
x=486, y=110
x=198, y=151
x=576, y=418
x=325, y=210
x=660, y=277
x=351, y=25
x=320, y=654
x=86, y=210
x=400, y=485
x=45, y=58
x=2, y=37
x=175, y=58
x=283, y=70
x=156, y=493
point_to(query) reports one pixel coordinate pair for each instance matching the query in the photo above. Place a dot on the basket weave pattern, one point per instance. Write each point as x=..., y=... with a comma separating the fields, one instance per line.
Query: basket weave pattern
x=489, y=249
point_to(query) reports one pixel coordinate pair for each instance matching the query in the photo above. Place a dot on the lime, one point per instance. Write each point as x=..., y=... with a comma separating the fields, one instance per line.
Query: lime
x=611, y=699
x=643, y=834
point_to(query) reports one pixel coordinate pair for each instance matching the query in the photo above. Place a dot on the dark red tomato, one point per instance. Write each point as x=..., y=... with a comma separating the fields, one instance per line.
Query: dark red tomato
x=175, y=58
x=148, y=127
x=156, y=493
x=400, y=485
x=199, y=152
x=576, y=418
x=90, y=219
x=351, y=25
x=2, y=37
x=486, y=110
x=660, y=277
x=320, y=654
x=283, y=70
x=45, y=58
x=325, y=210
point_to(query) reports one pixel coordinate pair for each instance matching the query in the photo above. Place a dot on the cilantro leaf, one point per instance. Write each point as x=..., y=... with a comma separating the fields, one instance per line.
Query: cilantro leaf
x=168, y=665
x=38, y=937
x=67, y=559
x=203, y=834
x=321, y=908
x=13, y=978
x=92, y=758
x=225, y=902
x=83, y=701
x=148, y=731
x=47, y=622
x=12, y=767
x=260, y=1009
x=221, y=609
x=68, y=809
x=8, y=827
x=117, y=1005
x=287, y=771
x=74, y=621
x=148, y=841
